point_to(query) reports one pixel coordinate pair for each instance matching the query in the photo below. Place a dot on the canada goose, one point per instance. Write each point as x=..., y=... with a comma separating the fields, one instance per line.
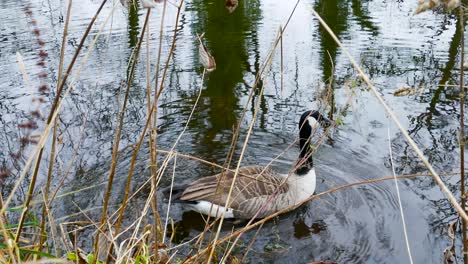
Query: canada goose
x=255, y=185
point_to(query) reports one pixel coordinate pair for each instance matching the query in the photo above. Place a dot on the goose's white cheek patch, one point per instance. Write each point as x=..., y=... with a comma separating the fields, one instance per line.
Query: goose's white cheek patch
x=312, y=122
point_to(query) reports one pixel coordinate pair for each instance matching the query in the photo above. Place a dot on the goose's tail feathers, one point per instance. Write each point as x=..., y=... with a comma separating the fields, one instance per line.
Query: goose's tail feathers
x=177, y=191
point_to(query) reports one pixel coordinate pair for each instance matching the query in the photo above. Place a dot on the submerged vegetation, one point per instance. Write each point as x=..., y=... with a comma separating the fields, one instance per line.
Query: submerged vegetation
x=83, y=168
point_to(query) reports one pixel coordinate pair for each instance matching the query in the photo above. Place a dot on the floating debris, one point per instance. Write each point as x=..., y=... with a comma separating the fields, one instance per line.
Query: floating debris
x=22, y=67
x=449, y=252
x=231, y=5
x=407, y=91
x=206, y=59
x=424, y=5
x=150, y=3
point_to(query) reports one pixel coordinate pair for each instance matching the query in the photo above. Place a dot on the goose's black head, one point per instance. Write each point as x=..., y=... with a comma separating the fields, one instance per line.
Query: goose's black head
x=308, y=122
x=309, y=119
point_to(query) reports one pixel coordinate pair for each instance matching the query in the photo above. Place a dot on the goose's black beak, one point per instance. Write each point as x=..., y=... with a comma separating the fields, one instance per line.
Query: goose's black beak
x=325, y=122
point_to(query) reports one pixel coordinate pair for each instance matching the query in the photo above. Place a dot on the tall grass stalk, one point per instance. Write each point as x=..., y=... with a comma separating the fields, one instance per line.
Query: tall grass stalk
x=462, y=133
x=129, y=180
x=54, y=133
x=154, y=132
x=118, y=132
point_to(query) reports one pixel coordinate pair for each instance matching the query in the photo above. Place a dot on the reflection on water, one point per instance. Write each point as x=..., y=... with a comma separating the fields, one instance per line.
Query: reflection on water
x=357, y=225
x=218, y=112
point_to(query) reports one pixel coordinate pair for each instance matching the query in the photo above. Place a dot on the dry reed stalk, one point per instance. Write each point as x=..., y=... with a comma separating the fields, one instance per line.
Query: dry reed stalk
x=40, y=146
x=169, y=200
x=148, y=71
x=154, y=185
x=153, y=130
x=133, y=240
x=171, y=50
x=118, y=132
x=129, y=180
x=462, y=134
x=52, y=226
x=380, y=99
x=166, y=161
x=54, y=133
x=251, y=243
x=281, y=57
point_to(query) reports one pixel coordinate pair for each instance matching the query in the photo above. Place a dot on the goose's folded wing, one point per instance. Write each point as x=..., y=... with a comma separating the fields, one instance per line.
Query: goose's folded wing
x=251, y=182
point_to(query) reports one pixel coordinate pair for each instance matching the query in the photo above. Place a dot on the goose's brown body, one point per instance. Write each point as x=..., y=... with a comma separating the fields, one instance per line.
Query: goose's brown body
x=257, y=189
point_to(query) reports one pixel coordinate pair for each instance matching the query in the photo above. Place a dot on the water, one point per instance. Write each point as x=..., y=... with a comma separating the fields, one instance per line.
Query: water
x=356, y=225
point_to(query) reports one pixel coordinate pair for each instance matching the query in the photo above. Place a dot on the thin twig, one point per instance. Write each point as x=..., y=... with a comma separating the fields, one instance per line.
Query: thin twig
x=408, y=248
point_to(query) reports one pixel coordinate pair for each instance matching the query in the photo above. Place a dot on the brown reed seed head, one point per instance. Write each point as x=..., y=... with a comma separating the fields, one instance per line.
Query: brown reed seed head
x=43, y=88
x=4, y=173
x=43, y=54
x=36, y=31
x=36, y=114
x=29, y=125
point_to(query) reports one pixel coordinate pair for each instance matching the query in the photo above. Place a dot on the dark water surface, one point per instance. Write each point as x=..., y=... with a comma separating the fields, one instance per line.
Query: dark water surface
x=356, y=225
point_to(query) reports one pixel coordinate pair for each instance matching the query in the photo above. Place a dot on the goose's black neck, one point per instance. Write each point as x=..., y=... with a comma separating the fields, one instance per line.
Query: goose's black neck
x=305, y=162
